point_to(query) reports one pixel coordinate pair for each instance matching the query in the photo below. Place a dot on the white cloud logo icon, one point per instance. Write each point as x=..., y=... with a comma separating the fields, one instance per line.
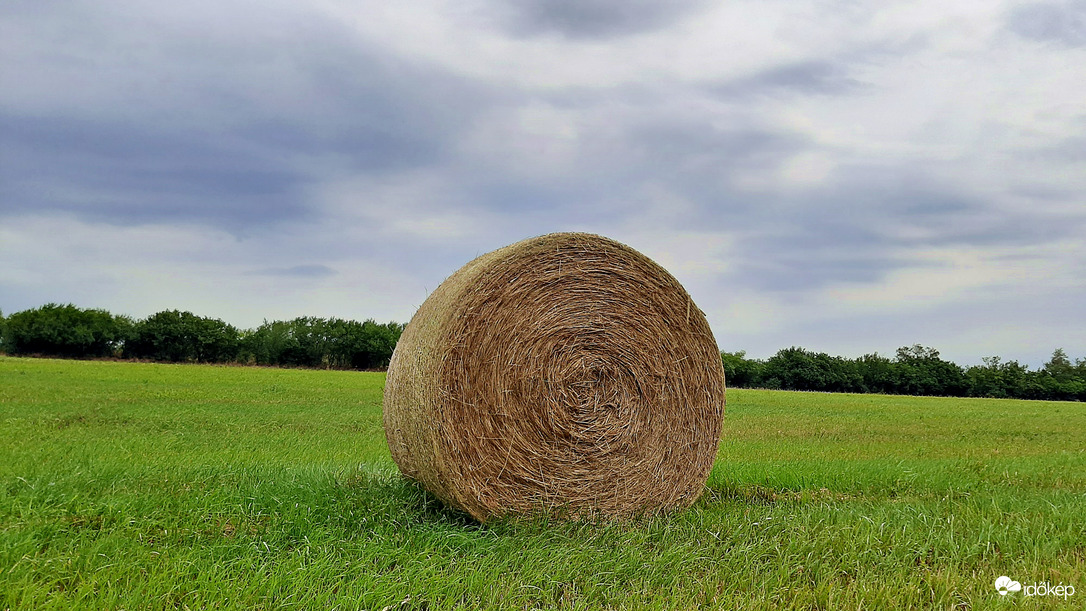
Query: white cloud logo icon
x=1005, y=584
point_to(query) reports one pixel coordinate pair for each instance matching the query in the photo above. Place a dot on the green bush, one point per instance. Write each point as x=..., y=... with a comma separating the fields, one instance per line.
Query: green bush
x=740, y=371
x=799, y=369
x=878, y=374
x=65, y=331
x=267, y=343
x=996, y=378
x=178, y=336
x=369, y=345
x=318, y=342
x=920, y=371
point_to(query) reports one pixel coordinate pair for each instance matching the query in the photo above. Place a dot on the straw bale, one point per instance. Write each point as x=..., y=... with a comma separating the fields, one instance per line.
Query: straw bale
x=566, y=373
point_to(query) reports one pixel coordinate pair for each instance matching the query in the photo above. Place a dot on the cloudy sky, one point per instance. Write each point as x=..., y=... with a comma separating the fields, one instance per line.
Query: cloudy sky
x=845, y=176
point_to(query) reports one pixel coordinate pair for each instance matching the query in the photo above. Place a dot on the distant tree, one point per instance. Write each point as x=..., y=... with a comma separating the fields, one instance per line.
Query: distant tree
x=995, y=378
x=267, y=344
x=374, y=344
x=310, y=346
x=177, y=336
x=1080, y=377
x=1038, y=385
x=362, y=345
x=741, y=372
x=1058, y=379
x=1059, y=366
x=319, y=342
x=917, y=352
x=922, y=372
x=216, y=341
x=64, y=330
x=878, y=374
x=799, y=369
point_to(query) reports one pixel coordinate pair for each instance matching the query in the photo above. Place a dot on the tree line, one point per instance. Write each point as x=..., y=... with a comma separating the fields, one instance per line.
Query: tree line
x=183, y=337
x=176, y=336
x=914, y=370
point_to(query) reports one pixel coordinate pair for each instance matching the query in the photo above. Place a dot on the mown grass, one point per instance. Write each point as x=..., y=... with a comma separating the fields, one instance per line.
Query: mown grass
x=147, y=486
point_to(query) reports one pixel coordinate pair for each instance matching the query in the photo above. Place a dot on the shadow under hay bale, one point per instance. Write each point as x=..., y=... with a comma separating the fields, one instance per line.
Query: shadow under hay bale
x=566, y=374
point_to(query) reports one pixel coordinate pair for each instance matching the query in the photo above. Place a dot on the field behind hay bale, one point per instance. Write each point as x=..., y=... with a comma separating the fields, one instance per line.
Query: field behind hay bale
x=150, y=486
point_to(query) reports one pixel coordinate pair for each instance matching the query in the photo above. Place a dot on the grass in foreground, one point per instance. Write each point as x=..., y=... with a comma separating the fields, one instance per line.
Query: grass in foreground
x=147, y=486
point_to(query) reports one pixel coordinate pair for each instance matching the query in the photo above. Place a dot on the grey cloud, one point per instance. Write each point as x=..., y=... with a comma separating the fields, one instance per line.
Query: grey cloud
x=870, y=224
x=798, y=272
x=216, y=136
x=298, y=271
x=126, y=175
x=1043, y=192
x=691, y=142
x=623, y=156
x=808, y=78
x=810, y=245
x=698, y=159
x=1067, y=150
x=583, y=19
x=1061, y=22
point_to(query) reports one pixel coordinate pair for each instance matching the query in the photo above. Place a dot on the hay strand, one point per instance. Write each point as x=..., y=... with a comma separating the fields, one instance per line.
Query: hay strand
x=563, y=373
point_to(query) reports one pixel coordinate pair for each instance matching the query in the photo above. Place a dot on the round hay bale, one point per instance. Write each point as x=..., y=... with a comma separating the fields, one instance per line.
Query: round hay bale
x=566, y=373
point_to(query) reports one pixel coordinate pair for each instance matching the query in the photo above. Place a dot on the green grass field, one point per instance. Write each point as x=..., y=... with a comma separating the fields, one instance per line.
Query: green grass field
x=145, y=486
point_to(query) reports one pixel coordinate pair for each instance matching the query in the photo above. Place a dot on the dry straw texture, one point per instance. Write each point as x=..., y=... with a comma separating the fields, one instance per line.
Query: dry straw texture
x=565, y=374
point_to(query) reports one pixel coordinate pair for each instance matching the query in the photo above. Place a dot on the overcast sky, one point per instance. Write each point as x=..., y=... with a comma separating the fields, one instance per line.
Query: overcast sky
x=846, y=176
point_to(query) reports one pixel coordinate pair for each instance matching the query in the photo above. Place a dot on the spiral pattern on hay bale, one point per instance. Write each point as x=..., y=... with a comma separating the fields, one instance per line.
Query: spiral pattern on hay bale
x=566, y=373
